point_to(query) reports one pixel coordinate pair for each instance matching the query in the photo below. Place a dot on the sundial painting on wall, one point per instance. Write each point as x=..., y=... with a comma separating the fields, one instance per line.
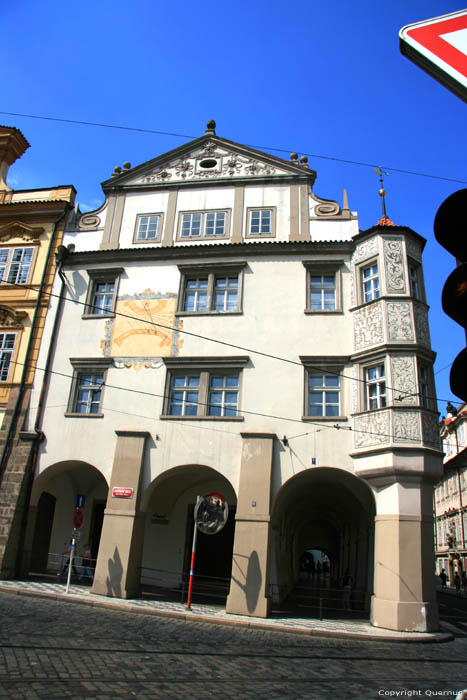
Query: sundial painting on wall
x=144, y=327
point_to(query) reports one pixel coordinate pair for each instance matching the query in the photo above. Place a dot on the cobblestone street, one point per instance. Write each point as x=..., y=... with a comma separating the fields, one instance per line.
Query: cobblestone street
x=55, y=649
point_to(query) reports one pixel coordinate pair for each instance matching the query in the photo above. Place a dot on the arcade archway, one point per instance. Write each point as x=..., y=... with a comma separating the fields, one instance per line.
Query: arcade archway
x=53, y=501
x=329, y=510
x=168, y=504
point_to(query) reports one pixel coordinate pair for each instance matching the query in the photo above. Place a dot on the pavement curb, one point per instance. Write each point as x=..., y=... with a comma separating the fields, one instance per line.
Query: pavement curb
x=273, y=625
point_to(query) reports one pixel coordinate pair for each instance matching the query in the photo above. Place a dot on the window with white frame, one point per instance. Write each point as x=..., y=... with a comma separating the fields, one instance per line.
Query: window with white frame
x=204, y=224
x=15, y=265
x=102, y=292
x=323, y=394
x=87, y=387
x=211, y=290
x=260, y=222
x=370, y=282
x=7, y=348
x=375, y=385
x=148, y=228
x=206, y=388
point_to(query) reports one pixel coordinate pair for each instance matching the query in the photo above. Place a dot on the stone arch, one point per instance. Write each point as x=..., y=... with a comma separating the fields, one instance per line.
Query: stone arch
x=63, y=481
x=329, y=509
x=168, y=504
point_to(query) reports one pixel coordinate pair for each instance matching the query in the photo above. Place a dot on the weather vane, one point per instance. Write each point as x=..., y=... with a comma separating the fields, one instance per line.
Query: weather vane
x=382, y=191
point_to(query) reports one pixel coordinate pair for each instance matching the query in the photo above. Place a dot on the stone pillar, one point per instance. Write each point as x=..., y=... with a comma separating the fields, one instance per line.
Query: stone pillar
x=404, y=588
x=120, y=550
x=250, y=561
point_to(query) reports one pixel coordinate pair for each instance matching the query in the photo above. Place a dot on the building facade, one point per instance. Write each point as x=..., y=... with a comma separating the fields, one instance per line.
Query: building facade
x=32, y=223
x=450, y=502
x=220, y=328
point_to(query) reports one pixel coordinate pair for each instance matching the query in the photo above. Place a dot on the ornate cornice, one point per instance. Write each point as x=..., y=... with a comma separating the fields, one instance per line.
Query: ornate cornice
x=16, y=229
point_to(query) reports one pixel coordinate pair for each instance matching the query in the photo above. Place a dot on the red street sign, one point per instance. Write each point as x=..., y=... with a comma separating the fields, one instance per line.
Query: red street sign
x=78, y=518
x=439, y=47
x=122, y=492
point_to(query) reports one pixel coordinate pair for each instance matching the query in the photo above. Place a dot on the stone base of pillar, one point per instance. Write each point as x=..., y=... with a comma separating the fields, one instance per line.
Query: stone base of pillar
x=237, y=604
x=403, y=616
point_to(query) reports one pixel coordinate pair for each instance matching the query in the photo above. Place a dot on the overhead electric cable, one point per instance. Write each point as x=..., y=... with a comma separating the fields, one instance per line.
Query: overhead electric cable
x=267, y=148
x=402, y=394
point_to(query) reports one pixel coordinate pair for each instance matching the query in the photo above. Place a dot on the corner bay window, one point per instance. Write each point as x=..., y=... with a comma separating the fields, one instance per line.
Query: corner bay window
x=375, y=383
x=206, y=291
x=370, y=282
x=203, y=387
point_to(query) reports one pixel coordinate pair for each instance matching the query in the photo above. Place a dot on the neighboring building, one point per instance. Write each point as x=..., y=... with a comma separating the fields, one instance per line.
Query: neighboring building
x=221, y=328
x=451, y=496
x=31, y=229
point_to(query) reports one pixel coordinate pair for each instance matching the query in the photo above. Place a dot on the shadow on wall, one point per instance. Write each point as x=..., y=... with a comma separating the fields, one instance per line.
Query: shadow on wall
x=114, y=579
x=253, y=579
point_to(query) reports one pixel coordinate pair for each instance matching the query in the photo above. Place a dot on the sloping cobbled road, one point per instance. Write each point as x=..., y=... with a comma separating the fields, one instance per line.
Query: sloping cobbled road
x=53, y=649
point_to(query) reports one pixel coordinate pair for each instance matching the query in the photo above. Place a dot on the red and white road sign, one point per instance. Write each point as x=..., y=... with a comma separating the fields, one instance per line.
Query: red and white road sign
x=439, y=46
x=78, y=518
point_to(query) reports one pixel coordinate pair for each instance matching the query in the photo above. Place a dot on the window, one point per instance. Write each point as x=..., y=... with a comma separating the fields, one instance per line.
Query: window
x=87, y=387
x=375, y=383
x=415, y=281
x=208, y=224
x=209, y=291
x=15, y=265
x=260, y=223
x=424, y=386
x=203, y=388
x=102, y=292
x=370, y=282
x=148, y=228
x=323, y=292
x=7, y=346
x=323, y=395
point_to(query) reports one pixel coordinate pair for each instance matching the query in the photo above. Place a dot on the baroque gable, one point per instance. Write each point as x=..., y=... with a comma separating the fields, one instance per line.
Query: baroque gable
x=209, y=158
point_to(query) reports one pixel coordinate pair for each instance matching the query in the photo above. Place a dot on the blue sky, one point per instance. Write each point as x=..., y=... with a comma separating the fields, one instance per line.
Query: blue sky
x=325, y=79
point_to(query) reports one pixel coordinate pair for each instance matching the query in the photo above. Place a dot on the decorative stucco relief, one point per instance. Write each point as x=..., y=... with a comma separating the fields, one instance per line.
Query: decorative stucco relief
x=368, y=326
x=394, y=265
x=326, y=209
x=89, y=222
x=355, y=384
x=10, y=318
x=399, y=320
x=16, y=229
x=208, y=163
x=403, y=379
x=430, y=431
x=365, y=250
x=406, y=426
x=421, y=325
x=371, y=429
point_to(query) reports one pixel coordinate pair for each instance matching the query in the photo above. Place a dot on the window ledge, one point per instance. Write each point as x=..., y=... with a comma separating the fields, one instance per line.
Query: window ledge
x=325, y=418
x=203, y=418
x=83, y=415
x=323, y=311
x=110, y=315
x=209, y=313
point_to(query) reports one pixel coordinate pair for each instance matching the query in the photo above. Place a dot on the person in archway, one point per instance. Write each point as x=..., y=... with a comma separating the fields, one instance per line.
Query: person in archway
x=457, y=582
x=86, y=564
x=347, y=583
x=443, y=576
x=318, y=568
x=464, y=582
x=67, y=553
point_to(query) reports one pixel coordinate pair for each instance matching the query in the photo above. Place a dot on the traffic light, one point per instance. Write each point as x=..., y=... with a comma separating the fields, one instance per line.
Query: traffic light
x=451, y=232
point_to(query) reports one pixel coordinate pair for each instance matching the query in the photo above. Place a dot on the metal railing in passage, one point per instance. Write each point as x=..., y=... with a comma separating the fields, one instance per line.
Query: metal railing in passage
x=316, y=600
x=166, y=584
x=57, y=565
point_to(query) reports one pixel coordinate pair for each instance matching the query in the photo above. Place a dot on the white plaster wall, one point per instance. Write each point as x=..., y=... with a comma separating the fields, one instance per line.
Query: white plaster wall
x=273, y=322
x=277, y=196
x=322, y=230
x=83, y=240
x=140, y=203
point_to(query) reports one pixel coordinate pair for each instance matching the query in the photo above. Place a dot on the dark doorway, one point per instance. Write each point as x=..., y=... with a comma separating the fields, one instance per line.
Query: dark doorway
x=95, y=530
x=41, y=540
x=213, y=552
